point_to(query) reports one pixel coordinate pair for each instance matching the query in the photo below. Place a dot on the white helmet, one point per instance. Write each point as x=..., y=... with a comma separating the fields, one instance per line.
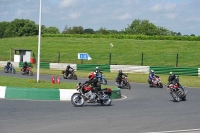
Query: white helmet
x=152, y=71
x=97, y=68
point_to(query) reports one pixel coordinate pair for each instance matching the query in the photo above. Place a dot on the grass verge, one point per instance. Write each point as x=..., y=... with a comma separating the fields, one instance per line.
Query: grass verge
x=190, y=81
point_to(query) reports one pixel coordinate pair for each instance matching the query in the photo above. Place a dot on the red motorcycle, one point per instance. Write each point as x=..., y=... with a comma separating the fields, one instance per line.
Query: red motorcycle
x=86, y=93
x=156, y=82
x=176, y=92
x=27, y=71
x=124, y=83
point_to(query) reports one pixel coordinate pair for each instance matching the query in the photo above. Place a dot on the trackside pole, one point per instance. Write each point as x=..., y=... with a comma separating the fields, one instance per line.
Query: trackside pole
x=39, y=38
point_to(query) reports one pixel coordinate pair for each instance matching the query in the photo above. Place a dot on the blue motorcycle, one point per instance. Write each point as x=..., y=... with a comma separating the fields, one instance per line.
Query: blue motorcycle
x=101, y=78
x=9, y=69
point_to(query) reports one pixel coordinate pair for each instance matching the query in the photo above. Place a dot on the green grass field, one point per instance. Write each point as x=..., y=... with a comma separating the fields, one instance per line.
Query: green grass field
x=125, y=51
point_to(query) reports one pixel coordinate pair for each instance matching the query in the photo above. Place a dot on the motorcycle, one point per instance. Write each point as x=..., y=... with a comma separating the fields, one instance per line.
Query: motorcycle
x=101, y=78
x=156, y=82
x=9, y=69
x=27, y=71
x=124, y=83
x=86, y=93
x=177, y=93
x=71, y=75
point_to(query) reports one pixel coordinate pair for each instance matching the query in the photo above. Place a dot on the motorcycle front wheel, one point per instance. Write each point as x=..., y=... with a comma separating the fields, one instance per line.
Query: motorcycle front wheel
x=13, y=71
x=31, y=73
x=77, y=100
x=104, y=81
x=175, y=96
x=128, y=86
x=75, y=77
x=160, y=85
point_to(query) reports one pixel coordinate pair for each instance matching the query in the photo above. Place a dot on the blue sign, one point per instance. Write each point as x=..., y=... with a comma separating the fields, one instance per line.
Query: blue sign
x=84, y=56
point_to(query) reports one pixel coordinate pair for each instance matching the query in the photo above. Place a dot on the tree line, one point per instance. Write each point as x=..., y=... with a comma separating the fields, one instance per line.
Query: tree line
x=26, y=27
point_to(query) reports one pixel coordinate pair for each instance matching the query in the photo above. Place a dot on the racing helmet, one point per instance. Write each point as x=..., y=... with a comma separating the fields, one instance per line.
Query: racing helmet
x=91, y=76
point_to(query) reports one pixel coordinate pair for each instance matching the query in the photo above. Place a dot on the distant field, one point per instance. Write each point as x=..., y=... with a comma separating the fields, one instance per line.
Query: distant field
x=125, y=51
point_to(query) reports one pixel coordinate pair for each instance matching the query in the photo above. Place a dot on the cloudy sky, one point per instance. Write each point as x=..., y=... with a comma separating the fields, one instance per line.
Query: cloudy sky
x=176, y=15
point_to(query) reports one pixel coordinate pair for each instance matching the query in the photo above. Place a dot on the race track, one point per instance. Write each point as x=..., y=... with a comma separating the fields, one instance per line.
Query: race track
x=144, y=110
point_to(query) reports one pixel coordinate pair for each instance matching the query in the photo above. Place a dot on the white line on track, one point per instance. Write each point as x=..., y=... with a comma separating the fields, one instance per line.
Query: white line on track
x=179, y=131
x=123, y=97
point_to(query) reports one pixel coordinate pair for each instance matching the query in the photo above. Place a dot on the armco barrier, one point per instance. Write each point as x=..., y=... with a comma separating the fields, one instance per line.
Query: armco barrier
x=129, y=68
x=43, y=93
x=62, y=66
x=176, y=70
x=42, y=64
x=91, y=67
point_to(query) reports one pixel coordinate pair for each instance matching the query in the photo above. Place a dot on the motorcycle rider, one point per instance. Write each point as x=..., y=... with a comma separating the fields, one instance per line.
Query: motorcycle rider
x=8, y=64
x=119, y=77
x=68, y=72
x=151, y=76
x=25, y=65
x=97, y=71
x=93, y=81
x=173, y=79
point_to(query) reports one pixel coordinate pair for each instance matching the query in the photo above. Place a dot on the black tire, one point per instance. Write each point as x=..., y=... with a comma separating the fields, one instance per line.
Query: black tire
x=23, y=73
x=75, y=77
x=5, y=70
x=30, y=73
x=160, y=85
x=128, y=86
x=106, y=102
x=75, y=98
x=64, y=76
x=184, y=98
x=13, y=71
x=175, y=97
x=104, y=81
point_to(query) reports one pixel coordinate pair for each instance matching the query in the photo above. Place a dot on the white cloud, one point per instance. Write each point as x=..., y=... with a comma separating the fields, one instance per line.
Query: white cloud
x=171, y=15
x=156, y=7
x=124, y=16
x=75, y=15
x=67, y=3
x=23, y=13
x=163, y=7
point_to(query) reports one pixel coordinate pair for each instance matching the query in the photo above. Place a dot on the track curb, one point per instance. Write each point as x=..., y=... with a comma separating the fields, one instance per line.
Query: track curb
x=7, y=92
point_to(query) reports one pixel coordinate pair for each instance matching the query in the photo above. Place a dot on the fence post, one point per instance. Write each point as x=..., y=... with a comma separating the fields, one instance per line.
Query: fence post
x=81, y=61
x=142, y=59
x=177, y=60
x=58, y=57
x=110, y=59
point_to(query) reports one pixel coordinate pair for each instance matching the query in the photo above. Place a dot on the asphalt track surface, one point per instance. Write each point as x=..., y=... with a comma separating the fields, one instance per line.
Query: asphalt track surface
x=143, y=110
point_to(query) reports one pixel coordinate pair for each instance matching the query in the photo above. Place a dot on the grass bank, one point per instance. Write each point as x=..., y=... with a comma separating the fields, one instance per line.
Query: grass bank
x=124, y=51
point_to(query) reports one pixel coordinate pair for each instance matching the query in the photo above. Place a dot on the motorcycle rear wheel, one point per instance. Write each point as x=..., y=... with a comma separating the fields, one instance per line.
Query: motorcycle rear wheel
x=64, y=76
x=5, y=70
x=77, y=100
x=106, y=100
